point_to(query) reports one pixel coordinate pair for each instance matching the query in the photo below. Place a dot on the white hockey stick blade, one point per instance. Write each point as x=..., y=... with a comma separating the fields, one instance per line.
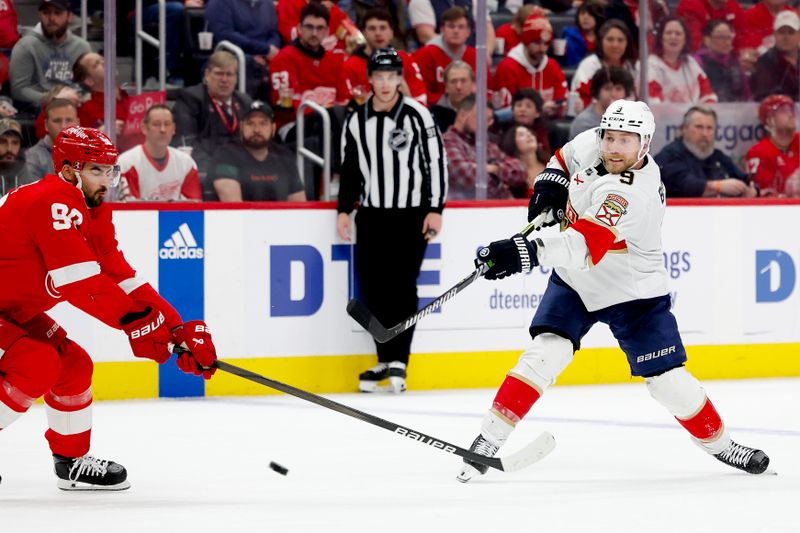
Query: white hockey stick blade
x=532, y=453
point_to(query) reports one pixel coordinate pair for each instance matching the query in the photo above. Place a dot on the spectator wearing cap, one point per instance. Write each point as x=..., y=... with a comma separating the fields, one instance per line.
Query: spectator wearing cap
x=256, y=169
x=60, y=114
x=45, y=56
x=776, y=72
x=154, y=170
x=774, y=162
x=89, y=71
x=758, y=22
x=12, y=157
x=207, y=115
x=459, y=82
x=608, y=85
x=508, y=35
x=527, y=65
x=507, y=176
x=691, y=166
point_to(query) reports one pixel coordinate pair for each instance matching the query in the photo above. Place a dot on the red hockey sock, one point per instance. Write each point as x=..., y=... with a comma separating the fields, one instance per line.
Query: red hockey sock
x=705, y=425
x=515, y=398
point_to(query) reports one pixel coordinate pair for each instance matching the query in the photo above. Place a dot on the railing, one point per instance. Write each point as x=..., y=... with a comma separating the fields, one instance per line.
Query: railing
x=305, y=153
x=160, y=43
x=239, y=53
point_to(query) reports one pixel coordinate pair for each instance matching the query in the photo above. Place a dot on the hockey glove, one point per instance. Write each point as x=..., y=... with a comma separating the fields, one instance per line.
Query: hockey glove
x=200, y=355
x=550, y=194
x=147, y=333
x=506, y=257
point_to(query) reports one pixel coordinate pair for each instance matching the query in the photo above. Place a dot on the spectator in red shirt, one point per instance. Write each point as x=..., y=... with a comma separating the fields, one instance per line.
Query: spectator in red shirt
x=9, y=34
x=89, y=71
x=305, y=70
x=697, y=13
x=507, y=36
x=527, y=65
x=342, y=35
x=507, y=176
x=379, y=33
x=774, y=162
x=434, y=57
x=757, y=24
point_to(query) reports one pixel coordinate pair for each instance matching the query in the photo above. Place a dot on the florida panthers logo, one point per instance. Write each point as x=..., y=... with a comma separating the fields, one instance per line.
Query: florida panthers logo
x=614, y=206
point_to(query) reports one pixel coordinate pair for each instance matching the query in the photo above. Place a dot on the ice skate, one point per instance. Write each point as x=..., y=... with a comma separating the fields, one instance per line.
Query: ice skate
x=368, y=380
x=397, y=377
x=750, y=460
x=472, y=469
x=89, y=473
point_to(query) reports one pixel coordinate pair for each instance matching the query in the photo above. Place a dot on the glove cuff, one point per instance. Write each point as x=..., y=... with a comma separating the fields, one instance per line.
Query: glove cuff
x=524, y=248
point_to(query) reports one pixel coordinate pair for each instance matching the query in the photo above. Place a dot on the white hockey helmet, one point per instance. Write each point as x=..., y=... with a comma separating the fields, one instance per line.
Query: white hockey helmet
x=631, y=116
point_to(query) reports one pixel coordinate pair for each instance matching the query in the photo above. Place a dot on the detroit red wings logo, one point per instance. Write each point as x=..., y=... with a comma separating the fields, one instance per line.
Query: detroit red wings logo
x=614, y=206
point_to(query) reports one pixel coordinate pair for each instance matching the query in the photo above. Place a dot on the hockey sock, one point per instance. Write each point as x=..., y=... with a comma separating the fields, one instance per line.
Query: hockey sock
x=707, y=428
x=513, y=401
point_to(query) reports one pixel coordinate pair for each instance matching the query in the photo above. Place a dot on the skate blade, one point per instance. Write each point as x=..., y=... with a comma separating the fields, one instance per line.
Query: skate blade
x=65, y=484
x=467, y=472
x=383, y=386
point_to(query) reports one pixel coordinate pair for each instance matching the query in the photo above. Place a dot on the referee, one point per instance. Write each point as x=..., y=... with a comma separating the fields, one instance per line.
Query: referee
x=394, y=172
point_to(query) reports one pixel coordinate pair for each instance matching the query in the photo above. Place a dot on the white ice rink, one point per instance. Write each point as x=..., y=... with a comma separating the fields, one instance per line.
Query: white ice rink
x=621, y=464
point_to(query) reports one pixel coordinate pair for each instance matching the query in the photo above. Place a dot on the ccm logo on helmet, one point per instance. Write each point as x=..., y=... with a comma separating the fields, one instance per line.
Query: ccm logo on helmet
x=148, y=328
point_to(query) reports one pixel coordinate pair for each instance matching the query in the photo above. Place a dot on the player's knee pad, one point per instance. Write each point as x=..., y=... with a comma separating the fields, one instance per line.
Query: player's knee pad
x=678, y=391
x=31, y=367
x=548, y=355
x=76, y=368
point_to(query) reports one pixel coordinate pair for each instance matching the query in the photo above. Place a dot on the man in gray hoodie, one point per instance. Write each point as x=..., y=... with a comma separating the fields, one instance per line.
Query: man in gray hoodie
x=45, y=56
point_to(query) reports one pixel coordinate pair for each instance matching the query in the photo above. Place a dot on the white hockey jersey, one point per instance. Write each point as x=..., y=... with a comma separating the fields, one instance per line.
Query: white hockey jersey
x=609, y=251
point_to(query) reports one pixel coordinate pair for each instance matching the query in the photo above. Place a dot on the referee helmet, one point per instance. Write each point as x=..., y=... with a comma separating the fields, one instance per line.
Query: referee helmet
x=385, y=59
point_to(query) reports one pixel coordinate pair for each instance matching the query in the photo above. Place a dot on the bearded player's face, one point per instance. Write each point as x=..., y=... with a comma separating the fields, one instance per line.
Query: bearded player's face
x=619, y=150
x=95, y=181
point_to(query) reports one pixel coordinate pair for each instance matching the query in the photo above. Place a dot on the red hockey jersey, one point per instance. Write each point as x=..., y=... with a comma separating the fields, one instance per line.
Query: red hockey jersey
x=432, y=59
x=54, y=247
x=769, y=166
x=515, y=72
x=308, y=75
x=355, y=76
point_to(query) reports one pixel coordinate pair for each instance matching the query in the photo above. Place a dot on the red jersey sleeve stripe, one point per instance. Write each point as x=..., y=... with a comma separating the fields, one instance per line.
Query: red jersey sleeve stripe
x=75, y=272
x=599, y=238
x=131, y=284
x=560, y=159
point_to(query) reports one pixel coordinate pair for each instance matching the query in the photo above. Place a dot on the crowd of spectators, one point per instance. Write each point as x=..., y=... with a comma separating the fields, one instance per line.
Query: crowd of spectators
x=213, y=142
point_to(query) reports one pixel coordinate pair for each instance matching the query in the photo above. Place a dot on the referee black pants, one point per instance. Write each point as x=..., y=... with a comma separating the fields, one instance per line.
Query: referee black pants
x=388, y=255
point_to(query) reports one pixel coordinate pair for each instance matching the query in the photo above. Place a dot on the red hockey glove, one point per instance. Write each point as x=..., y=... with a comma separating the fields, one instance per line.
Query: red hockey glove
x=195, y=337
x=147, y=333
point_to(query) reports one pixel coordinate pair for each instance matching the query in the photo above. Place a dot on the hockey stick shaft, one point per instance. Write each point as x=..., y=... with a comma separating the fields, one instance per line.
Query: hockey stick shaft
x=367, y=320
x=398, y=429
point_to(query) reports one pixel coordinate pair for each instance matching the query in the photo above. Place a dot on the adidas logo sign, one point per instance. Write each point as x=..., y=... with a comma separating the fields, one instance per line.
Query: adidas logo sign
x=182, y=245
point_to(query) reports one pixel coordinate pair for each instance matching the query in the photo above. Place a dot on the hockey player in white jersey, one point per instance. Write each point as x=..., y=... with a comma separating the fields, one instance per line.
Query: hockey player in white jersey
x=607, y=264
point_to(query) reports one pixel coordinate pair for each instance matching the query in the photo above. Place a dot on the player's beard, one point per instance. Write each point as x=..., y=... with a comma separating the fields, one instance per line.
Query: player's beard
x=615, y=167
x=96, y=199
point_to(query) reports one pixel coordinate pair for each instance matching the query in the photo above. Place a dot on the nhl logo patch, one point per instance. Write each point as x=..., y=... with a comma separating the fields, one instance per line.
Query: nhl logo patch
x=614, y=206
x=398, y=139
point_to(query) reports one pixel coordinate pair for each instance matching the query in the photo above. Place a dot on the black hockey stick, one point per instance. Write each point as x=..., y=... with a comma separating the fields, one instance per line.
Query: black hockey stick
x=518, y=460
x=367, y=320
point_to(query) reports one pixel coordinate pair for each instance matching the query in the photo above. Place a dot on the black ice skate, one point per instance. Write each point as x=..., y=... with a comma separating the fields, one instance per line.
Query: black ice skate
x=750, y=460
x=369, y=379
x=471, y=469
x=89, y=473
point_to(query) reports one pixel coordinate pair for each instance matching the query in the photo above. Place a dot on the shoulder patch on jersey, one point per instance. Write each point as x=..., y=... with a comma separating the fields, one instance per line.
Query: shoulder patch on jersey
x=612, y=209
x=431, y=132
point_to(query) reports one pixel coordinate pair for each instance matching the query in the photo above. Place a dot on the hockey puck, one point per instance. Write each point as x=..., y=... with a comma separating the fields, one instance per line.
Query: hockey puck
x=282, y=470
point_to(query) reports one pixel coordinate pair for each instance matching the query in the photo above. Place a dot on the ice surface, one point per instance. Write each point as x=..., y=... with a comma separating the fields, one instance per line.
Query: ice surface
x=621, y=464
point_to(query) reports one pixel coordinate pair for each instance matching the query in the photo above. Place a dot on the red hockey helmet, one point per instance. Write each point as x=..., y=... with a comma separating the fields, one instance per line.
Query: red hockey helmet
x=771, y=104
x=76, y=146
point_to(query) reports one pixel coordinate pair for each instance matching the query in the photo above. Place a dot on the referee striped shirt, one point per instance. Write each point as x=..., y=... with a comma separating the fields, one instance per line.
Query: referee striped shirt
x=392, y=159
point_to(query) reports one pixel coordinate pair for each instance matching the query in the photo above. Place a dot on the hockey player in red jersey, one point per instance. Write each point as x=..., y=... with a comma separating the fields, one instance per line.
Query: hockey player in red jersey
x=607, y=265
x=58, y=244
